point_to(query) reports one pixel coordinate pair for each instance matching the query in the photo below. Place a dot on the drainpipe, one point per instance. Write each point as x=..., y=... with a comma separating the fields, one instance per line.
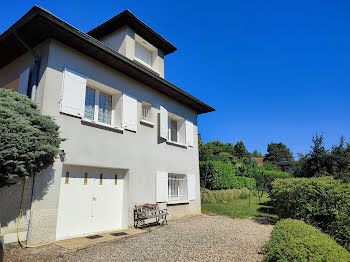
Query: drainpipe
x=35, y=76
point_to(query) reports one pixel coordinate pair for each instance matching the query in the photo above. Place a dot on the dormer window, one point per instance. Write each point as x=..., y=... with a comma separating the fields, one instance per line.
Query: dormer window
x=146, y=54
x=143, y=54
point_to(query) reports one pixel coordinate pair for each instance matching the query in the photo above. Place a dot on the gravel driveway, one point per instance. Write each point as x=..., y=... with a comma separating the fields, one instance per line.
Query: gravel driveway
x=201, y=238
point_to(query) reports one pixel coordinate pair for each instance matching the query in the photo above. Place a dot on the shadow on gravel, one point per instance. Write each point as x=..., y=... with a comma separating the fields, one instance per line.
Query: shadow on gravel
x=265, y=220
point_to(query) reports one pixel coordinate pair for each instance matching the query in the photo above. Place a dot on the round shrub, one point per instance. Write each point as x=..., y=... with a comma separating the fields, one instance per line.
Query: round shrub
x=293, y=240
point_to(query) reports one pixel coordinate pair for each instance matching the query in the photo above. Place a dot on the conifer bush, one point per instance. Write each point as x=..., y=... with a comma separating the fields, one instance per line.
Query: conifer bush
x=29, y=141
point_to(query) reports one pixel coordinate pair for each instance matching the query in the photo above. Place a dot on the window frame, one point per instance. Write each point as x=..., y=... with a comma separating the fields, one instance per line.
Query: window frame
x=141, y=46
x=170, y=119
x=153, y=66
x=115, y=95
x=180, y=127
x=182, y=194
x=147, y=120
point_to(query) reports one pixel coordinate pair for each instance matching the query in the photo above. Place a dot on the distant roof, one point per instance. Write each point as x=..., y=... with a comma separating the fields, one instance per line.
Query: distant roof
x=259, y=160
x=39, y=24
x=128, y=18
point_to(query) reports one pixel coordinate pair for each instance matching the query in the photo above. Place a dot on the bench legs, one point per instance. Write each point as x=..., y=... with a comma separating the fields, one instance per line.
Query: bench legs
x=143, y=221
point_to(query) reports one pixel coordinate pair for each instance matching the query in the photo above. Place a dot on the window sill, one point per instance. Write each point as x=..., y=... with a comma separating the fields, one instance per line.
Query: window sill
x=176, y=143
x=175, y=202
x=140, y=62
x=98, y=124
x=147, y=122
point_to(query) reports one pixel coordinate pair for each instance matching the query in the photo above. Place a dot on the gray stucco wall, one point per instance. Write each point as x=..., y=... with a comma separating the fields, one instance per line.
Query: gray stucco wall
x=141, y=153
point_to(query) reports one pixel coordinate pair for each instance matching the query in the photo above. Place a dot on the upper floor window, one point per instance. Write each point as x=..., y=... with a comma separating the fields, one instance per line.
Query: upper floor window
x=143, y=54
x=146, y=111
x=98, y=106
x=173, y=130
x=176, y=129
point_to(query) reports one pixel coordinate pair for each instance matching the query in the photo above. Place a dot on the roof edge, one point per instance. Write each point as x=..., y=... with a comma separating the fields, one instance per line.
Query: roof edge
x=37, y=10
x=97, y=32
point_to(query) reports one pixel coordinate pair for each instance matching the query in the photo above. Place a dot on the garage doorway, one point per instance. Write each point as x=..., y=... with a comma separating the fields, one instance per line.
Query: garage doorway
x=90, y=201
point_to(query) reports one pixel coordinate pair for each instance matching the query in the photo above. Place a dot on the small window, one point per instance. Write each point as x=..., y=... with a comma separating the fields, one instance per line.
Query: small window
x=143, y=54
x=85, y=178
x=146, y=111
x=67, y=178
x=173, y=130
x=177, y=188
x=115, y=179
x=101, y=179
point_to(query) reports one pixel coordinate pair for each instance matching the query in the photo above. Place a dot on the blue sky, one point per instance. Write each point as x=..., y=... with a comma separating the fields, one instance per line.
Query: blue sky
x=274, y=70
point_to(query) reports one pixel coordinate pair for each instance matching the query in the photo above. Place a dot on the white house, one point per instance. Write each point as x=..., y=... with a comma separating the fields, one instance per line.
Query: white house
x=131, y=135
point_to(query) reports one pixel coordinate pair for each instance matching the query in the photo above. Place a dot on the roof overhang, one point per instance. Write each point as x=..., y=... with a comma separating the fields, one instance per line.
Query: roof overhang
x=38, y=24
x=128, y=18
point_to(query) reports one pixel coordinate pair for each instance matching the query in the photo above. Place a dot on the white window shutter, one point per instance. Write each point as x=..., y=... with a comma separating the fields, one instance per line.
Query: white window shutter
x=189, y=133
x=161, y=186
x=163, y=123
x=23, y=82
x=129, y=119
x=73, y=93
x=191, y=186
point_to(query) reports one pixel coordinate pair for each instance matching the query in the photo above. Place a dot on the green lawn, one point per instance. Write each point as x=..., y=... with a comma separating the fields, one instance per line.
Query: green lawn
x=239, y=208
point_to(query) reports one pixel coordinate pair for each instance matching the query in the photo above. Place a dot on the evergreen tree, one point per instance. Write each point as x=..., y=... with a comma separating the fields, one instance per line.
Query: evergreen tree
x=277, y=152
x=257, y=154
x=29, y=141
x=240, y=150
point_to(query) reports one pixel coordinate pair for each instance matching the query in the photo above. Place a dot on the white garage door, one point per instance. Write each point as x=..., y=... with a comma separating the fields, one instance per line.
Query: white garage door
x=91, y=201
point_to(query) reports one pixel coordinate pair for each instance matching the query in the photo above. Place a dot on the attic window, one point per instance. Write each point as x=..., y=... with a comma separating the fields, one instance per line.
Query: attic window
x=143, y=54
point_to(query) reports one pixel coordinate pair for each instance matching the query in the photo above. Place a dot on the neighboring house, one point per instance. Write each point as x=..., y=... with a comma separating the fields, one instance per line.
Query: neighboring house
x=132, y=136
x=259, y=160
x=285, y=166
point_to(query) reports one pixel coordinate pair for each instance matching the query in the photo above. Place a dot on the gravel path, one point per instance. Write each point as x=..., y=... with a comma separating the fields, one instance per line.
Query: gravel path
x=201, y=238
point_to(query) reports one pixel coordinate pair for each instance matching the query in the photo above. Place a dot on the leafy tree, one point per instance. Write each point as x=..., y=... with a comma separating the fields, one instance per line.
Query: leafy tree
x=29, y=141
x=214, y=148
x=277, y=152
x=228, y=148
x=240, y=150
x=203, y=150
x=225, y=157
x=257, y=154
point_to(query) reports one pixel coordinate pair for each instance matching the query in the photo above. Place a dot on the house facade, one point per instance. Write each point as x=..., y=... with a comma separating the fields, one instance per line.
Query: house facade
x=131, y=136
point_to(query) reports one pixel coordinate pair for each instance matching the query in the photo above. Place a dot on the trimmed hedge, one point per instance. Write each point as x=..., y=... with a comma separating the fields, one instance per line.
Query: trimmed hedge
x=293, y=240
x=223, y=176
x=322, y=202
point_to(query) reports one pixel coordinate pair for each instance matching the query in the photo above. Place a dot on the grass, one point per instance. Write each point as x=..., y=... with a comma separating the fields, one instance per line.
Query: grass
x=239, y=208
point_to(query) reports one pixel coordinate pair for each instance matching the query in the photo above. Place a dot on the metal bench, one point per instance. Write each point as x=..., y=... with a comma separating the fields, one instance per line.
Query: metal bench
x=147, y=211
